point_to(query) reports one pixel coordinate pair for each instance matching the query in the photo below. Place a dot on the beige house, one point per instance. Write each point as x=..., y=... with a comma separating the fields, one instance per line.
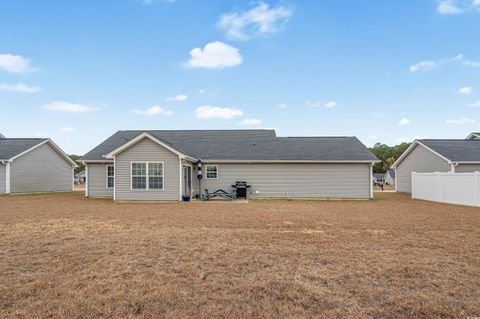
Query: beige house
x=163, y=165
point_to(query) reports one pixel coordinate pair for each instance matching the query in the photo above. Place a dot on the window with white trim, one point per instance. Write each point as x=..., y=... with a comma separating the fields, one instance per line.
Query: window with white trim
x=110, y=176
x=211, y=171
x=147, y=175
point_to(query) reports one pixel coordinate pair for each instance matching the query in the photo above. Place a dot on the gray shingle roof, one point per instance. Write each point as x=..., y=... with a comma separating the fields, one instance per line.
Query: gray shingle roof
x=245, y=145
x=455, y=150
x=11, y=147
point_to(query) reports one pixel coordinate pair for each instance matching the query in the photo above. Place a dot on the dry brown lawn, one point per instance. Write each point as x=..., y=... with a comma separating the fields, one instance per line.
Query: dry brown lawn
x=63, y=256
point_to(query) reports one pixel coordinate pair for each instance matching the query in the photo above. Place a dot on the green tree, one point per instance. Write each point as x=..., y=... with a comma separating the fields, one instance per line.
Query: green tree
x=388, y=155
x=80, y=167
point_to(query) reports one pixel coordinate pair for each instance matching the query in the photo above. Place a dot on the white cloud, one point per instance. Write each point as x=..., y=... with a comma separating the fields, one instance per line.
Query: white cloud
x=258, y=21
x=422, y=66
x=331, y=104
x=66, y=129
x=251, y=122
x=215, y=55
x=179, y=98
x=461, y=121
x=69, y=107
x=15, y=63
x=20, y=88
x=217, y=112
x=449, y=7
x=404, y=122
x=472, y=63
x=317, y=104
x=457, y=6
x=153, y=111
x=431, y=64
x=282, y=106
x=465, y=90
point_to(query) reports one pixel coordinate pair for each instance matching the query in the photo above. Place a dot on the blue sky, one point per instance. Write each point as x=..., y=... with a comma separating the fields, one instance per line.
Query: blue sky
x=385, y=71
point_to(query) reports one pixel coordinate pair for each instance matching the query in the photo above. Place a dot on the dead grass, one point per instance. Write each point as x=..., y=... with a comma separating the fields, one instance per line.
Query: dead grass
x=63, y=256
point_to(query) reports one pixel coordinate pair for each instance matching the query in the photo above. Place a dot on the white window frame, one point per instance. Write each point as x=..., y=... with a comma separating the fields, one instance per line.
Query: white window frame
x=206, y=171
x=147, y=176
x=106, y=176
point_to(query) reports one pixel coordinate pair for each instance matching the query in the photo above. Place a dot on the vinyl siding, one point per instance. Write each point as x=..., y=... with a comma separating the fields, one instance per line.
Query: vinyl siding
x=467, y=168
x=3, y=179
x=41, y=170
x=96, y=180
x=419, y=160
x=295, y=180
x=145, y=151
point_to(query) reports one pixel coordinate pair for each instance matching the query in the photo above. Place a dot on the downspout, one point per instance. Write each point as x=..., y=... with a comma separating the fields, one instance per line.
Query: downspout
x=371, y=179
x=115, y=178
x=86, y=179
x=7, y=177
x=453, y=165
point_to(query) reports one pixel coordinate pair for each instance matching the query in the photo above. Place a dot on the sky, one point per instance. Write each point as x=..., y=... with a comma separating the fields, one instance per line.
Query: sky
x=384, y=71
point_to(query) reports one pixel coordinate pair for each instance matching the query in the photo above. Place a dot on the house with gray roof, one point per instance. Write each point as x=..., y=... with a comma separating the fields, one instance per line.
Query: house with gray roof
x=34, y=165
x=436, y=155
x=164, y=165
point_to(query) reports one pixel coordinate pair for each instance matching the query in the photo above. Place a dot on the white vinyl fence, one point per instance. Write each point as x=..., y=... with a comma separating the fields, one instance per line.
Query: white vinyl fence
x=452, y=188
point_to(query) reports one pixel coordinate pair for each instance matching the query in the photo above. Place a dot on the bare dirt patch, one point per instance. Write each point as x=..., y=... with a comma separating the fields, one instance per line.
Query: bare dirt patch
x=63, y=256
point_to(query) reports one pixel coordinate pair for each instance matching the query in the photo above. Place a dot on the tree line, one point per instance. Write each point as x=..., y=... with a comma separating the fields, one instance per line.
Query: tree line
x=387, y=154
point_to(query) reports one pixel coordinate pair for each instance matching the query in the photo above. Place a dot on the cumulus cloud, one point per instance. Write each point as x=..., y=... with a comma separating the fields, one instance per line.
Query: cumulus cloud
x=15, y=63
x=217, y=112
x=178, y=98
x=251, y=122
x=153, y=111
x=461, y=121
x=215, y=55
x=19, y=88
x=465, y=90
x=454, y=7
x=67, y=129
x=61, y=106
x=404, y=122
x=449, y=7
x=258, y=21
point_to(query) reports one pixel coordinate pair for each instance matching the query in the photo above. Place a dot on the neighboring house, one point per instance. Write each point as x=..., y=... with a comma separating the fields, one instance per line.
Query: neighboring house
x=162, y=165
x=389, y=177
x=379, y=178
x=473, y=136
x=34, y=165
x=80, y=178
x=425, y=156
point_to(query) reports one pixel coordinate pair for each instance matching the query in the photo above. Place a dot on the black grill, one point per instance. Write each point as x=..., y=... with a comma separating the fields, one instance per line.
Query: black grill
x=241, y=189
